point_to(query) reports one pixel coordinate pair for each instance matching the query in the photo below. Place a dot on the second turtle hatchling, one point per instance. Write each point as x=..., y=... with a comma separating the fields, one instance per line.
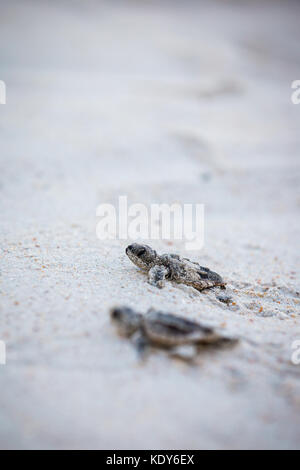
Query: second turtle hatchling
x=173, y=268
x=179, y=336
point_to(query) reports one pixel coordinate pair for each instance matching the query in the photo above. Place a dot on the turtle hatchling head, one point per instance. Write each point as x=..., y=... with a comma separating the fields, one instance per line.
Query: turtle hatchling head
x=141, y=255
x=127, y=320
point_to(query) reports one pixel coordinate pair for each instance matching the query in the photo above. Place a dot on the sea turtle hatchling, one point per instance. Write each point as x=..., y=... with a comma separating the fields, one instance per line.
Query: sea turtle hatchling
x=181, y=337
x=173, y=268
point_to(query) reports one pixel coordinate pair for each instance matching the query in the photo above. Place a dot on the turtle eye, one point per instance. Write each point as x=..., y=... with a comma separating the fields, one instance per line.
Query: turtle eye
x=141, y=252
x=116, y=314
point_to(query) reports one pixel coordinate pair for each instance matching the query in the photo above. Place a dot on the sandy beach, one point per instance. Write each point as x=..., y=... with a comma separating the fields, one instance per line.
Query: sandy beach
x=186, y=102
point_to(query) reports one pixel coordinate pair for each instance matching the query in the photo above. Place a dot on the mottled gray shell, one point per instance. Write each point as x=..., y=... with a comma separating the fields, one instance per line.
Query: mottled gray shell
x=170, y=330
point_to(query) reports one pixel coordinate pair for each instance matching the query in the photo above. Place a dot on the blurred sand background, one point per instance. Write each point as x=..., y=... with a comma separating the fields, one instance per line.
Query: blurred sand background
x=185, y=102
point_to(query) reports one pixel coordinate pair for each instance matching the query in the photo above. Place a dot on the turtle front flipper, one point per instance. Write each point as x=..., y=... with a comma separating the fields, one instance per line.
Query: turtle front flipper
x=157, y=276
x=141, y=344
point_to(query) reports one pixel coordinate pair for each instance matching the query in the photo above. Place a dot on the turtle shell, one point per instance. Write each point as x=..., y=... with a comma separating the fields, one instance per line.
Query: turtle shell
x=170, y=330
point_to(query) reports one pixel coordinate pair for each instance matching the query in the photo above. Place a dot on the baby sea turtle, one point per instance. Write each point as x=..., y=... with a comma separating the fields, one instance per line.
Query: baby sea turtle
x=181, y=337
x=172, y=267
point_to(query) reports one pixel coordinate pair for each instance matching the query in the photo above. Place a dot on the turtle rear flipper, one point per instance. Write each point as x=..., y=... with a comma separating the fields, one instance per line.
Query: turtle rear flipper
x=141, y=344
x=186, y=352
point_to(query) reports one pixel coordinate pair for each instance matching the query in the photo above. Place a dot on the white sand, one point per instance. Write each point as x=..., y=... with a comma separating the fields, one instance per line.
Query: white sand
x=164, y=102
